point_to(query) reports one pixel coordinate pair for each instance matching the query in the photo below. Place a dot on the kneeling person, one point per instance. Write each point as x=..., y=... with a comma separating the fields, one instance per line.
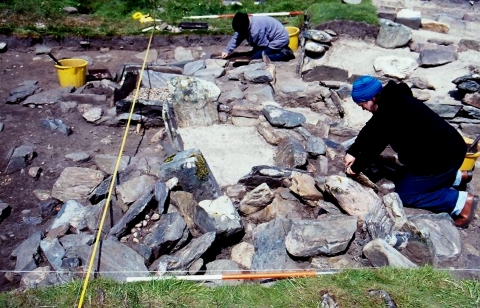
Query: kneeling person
x=412, y=129
x=264, y=33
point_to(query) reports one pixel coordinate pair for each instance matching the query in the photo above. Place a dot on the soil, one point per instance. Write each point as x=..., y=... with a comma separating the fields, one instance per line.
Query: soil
x=22, y=126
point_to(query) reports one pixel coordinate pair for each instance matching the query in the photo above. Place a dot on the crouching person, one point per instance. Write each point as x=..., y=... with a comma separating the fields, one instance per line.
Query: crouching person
x=264, y=33
x=413, y=131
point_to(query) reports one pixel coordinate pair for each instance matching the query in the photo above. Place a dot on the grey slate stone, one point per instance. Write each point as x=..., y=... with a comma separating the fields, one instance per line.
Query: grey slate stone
x=56, y=125
x=271, y=175
x=270, y=250
x=280, y=117
x=54, y=252
x=134, y=214
x=166, y=234
x=117, y=261
x=185, y=257
x=291, y=154
x=47, y=97
x=436, y=57
x=325, y=72
x=393, y=35
x=20, y=158
x=28, y=253
x=447, y=111
x=193, y=173
x=24, y=90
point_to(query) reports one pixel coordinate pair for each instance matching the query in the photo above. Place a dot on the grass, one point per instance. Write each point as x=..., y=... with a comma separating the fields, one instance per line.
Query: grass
x=114, y=17
x=423, y=287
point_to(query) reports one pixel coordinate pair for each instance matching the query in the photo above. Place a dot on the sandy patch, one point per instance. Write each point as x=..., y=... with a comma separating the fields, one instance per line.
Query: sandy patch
x=231, y=151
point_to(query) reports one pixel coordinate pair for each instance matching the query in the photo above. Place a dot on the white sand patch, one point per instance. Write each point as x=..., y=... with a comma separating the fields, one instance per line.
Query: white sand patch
x=231, y=151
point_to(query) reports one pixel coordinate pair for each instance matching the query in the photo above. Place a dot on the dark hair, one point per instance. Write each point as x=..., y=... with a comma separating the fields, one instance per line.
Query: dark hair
x=240, y=22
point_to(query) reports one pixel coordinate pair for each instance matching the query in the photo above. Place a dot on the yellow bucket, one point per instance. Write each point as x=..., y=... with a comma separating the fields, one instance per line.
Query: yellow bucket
x=293, y=33
x=72, y=72
x=470, y=158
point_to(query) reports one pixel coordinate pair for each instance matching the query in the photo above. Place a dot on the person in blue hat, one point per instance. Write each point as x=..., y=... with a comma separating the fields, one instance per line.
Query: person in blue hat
x=264, y=33
x=430, y=149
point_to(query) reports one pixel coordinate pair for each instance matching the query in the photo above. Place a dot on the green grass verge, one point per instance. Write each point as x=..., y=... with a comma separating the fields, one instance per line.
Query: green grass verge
x=114, y=17
x=328, y=10
x=423, y=287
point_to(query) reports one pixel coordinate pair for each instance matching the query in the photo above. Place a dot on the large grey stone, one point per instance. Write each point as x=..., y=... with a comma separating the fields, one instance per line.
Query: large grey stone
x=135, y=213
x=185, y=257
x=280, y=117
x=291, y=154
x=270, y=250
x=76, y=183
x=21, y=157
x=47, y=97
x=113, y=260
x=237, y=73
x=135, y=187
x=444, y=235
x=393, y=35
x=69, y=211
x=166, y=234
x=396, y=67
x=271, y=175
x=24, y=90
x=53, y=251
x=219, y=215
x=193, y=173
x=436, y=57
x=409, y=18
x=27, y=253
x=380, y=253
x=194, y=101
x=317, y=36
x=325, y=72
x=351, y=196
x=447, y=110
x=328, y=236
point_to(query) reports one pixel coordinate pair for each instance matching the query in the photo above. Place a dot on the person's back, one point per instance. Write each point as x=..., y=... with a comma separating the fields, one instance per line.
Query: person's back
x=265, y=34
x=424, y=141
x=266, y=31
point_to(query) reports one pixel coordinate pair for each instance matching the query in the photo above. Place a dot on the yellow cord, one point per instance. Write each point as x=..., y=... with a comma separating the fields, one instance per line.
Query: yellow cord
x=114, y=176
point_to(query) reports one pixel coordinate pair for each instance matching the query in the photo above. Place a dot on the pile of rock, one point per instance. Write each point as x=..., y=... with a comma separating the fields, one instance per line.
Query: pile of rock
x=169, y=215
x=174, y=219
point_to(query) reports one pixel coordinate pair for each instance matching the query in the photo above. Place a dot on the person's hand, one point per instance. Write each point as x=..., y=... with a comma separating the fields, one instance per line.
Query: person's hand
x=224, y=55
x=348, y=161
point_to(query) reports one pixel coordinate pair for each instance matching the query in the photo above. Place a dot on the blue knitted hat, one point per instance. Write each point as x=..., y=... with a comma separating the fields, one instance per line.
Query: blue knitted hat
x=365, y=88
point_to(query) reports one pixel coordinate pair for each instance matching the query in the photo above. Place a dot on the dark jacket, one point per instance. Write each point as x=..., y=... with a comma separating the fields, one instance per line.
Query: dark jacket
x=424, y=142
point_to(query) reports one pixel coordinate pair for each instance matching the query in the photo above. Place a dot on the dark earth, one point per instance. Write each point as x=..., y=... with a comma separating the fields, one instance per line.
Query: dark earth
x=22, y=126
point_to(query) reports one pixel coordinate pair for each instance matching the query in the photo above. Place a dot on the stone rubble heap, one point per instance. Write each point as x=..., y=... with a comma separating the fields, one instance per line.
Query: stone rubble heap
x=169, y=215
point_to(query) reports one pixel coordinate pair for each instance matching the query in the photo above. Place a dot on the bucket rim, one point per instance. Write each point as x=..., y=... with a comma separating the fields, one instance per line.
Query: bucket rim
x=472, y=155
x=295, y=32
x=85, y=63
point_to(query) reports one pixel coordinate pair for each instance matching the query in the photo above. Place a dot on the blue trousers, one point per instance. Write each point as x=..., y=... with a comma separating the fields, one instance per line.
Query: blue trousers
x=433, y=192
x=284, y=54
